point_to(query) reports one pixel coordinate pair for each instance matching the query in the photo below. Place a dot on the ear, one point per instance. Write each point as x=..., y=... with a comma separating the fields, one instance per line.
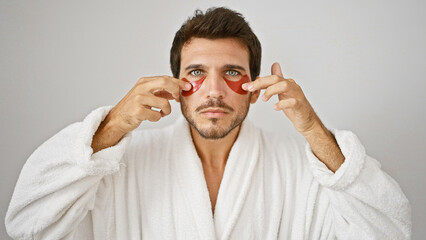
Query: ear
x=255, y=95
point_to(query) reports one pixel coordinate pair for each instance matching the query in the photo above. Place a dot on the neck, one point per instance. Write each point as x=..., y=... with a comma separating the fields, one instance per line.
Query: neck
x=214, y=152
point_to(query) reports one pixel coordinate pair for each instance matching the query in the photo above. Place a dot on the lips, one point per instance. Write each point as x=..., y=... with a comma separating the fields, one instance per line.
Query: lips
x=214, y=112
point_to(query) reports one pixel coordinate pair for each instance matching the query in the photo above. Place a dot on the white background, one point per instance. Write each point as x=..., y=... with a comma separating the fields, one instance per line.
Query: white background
x=361, y=64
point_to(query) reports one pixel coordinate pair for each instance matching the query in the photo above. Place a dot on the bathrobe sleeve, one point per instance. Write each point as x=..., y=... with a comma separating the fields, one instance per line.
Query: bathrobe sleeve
x=364, y=201
x=58, y=184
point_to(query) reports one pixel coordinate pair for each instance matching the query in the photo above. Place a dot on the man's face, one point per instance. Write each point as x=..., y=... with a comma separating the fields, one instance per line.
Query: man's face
x=215, y=110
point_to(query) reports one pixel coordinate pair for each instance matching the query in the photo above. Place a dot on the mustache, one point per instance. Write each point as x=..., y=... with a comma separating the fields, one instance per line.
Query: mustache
x=214, y=102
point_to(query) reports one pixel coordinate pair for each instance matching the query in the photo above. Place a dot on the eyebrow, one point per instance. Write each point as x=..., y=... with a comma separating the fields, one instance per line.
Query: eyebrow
x=233, y=66
x=194, y=66
x=227, y=66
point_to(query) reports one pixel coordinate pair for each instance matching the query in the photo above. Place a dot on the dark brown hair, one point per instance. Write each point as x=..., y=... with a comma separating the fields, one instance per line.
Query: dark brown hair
x=217, y=23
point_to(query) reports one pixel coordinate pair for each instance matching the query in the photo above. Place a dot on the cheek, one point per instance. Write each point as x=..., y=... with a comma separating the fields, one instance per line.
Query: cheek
x=233, y=85
x=190, y=103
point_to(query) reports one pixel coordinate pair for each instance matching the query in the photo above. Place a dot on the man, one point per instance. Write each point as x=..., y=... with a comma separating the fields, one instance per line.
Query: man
x=212, y=174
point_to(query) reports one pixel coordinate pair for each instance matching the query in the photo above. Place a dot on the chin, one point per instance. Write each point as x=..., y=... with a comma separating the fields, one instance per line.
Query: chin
x=213, y=128
x=214, y=121
x=213, y=133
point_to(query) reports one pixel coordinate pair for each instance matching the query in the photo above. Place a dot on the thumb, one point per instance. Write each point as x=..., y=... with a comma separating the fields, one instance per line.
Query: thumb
x=276, y=69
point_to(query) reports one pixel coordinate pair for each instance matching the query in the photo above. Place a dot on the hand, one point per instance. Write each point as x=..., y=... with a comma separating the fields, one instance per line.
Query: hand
x=137, y=105
x=296, y=107
x=292, y=100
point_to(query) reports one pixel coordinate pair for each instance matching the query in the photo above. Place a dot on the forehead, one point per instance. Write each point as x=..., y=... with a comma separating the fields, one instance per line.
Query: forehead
x=223, y=50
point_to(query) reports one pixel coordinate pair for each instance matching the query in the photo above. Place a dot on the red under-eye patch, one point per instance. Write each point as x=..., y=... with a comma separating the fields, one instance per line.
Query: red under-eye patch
x=195, y=86
x=236, y=86
x=233, y=85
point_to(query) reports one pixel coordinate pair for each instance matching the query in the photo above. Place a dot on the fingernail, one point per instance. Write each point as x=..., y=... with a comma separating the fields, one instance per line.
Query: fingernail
x=264, y=98
x=244, y=86
x=188, y=86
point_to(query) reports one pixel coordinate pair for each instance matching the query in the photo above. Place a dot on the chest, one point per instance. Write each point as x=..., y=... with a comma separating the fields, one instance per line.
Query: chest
x=213, y=179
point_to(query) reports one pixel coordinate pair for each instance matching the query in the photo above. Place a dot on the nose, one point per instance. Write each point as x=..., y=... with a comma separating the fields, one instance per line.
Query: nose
x=214, y=86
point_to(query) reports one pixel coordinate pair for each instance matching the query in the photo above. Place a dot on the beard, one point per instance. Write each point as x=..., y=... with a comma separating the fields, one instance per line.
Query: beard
x=217, y=131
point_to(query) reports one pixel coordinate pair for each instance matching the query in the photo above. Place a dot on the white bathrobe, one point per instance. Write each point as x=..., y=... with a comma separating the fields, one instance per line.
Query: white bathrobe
x=151, y=185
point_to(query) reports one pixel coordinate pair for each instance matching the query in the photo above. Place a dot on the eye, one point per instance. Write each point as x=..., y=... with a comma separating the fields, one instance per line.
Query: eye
x=196, y=72
x=232, y=73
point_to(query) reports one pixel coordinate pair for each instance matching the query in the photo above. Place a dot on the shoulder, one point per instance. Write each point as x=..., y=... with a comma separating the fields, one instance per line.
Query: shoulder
x=151, y=138
x=147, y=148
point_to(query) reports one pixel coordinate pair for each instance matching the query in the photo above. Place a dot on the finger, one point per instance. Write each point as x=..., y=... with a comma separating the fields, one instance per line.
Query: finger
x=261, y=83
x=276, y=69
x=168, y=84
x=156, y=102
x=285, y=103
x=144, y=79
x=184, y=85
x=164, y=94
x=151, y=115
x=278, y=88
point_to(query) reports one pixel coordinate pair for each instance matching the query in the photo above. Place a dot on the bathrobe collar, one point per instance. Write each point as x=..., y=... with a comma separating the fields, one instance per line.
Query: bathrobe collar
x=234, y=186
